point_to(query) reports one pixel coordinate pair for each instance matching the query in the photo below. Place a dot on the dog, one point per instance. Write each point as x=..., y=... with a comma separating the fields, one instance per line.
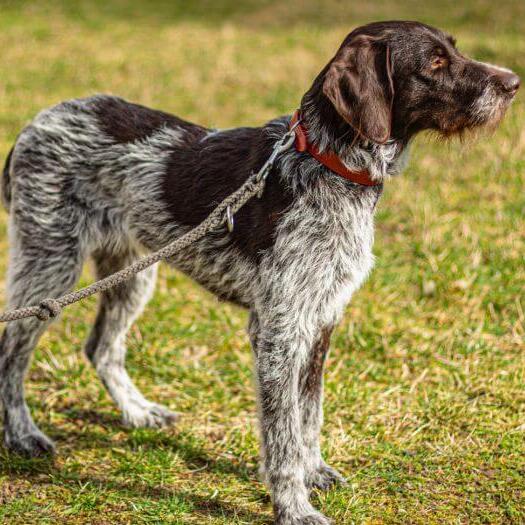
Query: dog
x=105, y=179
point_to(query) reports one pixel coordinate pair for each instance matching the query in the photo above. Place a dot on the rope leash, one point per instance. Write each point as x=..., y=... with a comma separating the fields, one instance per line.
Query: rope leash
x=223, y=213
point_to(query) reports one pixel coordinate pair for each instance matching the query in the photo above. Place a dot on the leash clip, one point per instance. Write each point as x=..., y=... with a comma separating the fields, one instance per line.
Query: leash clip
x=230, y=222
x=283, y=144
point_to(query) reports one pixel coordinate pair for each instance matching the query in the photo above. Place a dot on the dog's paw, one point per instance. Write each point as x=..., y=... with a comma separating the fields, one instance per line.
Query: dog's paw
x=30, y=444
x=324, y=477
x=315, y=518
x=149, y=415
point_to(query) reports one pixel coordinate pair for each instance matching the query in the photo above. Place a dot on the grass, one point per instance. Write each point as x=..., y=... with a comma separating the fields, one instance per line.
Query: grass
x=425, y=398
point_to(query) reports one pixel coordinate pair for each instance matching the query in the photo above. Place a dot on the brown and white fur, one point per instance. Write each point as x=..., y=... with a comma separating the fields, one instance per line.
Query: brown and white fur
x=104, y=179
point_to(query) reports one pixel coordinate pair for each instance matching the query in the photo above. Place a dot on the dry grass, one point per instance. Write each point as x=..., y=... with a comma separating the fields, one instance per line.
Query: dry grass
x=425, y=406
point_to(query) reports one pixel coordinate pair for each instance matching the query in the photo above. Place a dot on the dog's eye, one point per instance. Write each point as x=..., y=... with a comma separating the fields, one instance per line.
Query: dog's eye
x=439, y=62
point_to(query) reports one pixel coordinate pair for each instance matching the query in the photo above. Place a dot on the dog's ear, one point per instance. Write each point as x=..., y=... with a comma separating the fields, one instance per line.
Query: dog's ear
x=359, y=85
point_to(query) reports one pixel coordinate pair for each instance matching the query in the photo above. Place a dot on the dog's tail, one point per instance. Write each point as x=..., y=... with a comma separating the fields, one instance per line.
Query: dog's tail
x=6, y=181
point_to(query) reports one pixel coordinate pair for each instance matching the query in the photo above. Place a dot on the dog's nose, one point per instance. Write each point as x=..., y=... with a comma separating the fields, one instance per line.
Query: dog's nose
x=509, y=81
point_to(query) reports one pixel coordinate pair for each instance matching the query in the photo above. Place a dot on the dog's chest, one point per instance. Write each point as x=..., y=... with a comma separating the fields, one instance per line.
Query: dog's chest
x=323, y=250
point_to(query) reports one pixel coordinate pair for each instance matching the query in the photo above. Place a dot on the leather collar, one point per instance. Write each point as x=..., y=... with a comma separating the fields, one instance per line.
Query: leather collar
x=328, y=158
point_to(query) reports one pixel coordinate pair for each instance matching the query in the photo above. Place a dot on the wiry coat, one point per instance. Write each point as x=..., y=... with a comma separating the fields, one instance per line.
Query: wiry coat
x=78, y=188
x=105, y=179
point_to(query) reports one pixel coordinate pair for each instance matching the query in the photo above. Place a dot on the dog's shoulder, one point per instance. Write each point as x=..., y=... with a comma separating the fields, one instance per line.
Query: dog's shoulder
x=201, y=173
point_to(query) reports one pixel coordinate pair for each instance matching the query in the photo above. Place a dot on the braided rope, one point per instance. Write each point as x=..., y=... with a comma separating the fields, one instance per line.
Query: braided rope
x=49, y=307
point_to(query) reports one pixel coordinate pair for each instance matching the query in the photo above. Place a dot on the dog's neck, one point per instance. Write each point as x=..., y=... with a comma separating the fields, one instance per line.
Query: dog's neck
x=328, y=131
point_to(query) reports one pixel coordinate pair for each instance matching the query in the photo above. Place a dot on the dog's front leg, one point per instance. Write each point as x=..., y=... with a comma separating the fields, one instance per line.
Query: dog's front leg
x=318, y=474
x=278, y=362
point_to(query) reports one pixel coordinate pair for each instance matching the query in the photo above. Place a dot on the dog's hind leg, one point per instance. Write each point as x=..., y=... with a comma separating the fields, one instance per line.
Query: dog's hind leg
x=106, y=347
x=38, y=268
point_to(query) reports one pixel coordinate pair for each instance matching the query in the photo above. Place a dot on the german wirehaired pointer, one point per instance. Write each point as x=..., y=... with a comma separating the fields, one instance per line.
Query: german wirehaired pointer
x=103, y=178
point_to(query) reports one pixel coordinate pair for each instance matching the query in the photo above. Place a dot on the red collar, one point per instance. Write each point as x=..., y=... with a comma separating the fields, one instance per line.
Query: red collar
x=328, y=158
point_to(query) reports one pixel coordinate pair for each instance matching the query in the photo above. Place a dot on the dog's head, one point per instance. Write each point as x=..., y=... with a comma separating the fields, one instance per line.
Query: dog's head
x=390, y=80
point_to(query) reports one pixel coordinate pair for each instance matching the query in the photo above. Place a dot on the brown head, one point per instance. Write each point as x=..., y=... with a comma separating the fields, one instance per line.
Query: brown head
x=390, y=80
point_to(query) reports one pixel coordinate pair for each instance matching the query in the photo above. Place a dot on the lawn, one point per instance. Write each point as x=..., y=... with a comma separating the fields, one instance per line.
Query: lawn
x=425, y=398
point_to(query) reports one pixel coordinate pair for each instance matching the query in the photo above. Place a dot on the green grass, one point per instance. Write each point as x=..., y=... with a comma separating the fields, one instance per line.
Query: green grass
x=425, y=398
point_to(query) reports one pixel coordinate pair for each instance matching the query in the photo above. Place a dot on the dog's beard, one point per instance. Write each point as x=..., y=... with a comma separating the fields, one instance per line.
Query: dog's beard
x=488, y=111
x=477, y=125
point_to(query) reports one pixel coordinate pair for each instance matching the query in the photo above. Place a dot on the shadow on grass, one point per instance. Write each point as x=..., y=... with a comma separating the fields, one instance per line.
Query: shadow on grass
x=45, y=470
x=96, y=430
x=187, y=446
x=195, y=503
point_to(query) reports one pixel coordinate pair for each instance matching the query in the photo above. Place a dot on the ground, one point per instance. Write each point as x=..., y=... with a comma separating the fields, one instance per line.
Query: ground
x=425, y=398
